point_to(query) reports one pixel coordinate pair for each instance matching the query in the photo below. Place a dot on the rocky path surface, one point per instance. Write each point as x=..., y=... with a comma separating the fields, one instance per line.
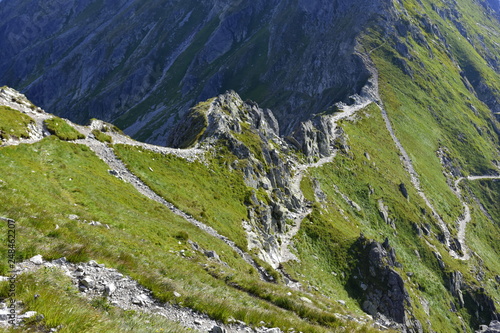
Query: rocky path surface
x=94, y=280
x=348, y=111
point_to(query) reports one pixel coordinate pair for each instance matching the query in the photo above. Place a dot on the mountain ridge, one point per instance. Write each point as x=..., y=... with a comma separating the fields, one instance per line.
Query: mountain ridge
x=265, y=238
x=365, y=208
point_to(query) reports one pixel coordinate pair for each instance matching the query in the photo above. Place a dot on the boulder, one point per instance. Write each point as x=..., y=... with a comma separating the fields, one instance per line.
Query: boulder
x=109, y=289
x=382, y=287
x=218, y=329
x=212, y=254
x=37, y=260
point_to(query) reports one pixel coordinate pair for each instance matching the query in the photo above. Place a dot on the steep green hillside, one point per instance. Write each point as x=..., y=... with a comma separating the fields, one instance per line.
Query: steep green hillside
x=369, y=199
x=57, y=191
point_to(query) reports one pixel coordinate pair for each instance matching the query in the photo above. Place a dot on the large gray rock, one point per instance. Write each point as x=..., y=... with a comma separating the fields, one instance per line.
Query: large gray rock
x=383, y=289
x=494, y=327
x=218, y=329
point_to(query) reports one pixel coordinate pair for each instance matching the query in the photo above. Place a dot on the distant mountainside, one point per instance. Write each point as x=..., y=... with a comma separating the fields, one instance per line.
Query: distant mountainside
x=141, y=64
x=313, y=166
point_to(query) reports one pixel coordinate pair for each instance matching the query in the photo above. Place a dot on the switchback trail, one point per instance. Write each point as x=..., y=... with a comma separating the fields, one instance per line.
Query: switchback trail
x=465, y=218
x=462, y=221
x=300, y=169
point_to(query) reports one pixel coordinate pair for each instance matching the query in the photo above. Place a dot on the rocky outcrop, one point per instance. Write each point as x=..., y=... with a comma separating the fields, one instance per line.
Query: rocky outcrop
x=480, y=306
x=494, y=327
x=251, y=135
x=382, y=289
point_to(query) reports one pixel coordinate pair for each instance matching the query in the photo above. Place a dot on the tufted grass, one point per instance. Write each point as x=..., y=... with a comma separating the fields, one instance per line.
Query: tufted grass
x=13, y=123
x=60, y=128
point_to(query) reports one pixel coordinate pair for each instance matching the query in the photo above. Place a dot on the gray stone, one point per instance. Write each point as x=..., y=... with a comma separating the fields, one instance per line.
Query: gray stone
x=306, y=300
x=218, y=329
x=87, y=282
x=494, y=327
x=60, y=262
x=37, y=260
x=4, y=314
x=28, y=314
x=93, y=263
x=212, y=254
x=273, y=330
x=369, y=308
x=109, y=289
x=404, y=191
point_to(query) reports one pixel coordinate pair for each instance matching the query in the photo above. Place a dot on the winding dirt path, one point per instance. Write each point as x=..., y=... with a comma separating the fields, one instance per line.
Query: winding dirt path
x=300, y=169
x=415, y=179
x=118, y=168
x=466, y=217
x=463, y=220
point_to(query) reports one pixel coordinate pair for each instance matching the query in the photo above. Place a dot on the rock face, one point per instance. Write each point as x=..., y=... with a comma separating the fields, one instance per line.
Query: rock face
x=382, y=288
x=494, y=327
x=251, y=135
x=170, y=54
x=478, y=304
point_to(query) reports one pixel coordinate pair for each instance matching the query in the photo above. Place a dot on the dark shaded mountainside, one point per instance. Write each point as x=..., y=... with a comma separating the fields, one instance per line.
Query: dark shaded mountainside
x=141, y=64
x=364, y=197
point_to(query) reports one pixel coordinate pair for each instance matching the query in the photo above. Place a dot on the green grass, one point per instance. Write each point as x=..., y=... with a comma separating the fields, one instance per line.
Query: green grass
x=63, y=308
x=103, y=137
x=62, y=129
x=144, y=239
x=212, y=193
x=13, y=123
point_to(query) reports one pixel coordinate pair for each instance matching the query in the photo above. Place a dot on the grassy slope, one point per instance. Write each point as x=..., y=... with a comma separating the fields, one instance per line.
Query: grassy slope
x=62, y=129
x=431, y=110
x=143, y=240
x=325, y=242
x=13, y=123
x=211, y=194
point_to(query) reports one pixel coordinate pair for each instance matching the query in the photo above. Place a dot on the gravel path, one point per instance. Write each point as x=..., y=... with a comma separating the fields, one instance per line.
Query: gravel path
x=117, y=167
x=466, y=217
x=348, y=111
x=415, y=179
x=94, y=280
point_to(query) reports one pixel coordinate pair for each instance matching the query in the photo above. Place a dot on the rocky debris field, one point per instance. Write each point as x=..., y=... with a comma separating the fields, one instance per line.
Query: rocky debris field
x=94, y=280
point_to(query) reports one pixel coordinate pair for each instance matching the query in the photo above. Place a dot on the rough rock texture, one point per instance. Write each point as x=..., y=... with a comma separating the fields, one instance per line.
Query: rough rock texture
x=383, y=291
x=268, y=162
x=481, y=307
x=494, y=327
x=94, y=280
x=251, y=135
